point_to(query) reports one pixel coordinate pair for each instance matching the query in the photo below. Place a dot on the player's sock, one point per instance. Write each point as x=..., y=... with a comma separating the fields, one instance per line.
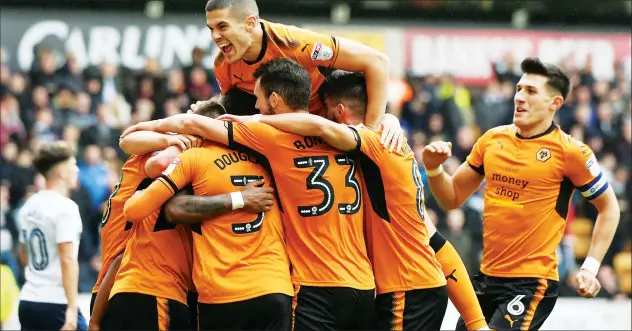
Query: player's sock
x=460, y=290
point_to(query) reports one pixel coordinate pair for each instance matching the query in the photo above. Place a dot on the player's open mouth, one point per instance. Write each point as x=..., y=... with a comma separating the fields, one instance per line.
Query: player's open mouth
x=227, y=48
x=519, y=110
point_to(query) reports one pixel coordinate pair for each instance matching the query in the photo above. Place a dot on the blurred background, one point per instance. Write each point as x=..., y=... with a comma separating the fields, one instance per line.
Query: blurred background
x=83, y=71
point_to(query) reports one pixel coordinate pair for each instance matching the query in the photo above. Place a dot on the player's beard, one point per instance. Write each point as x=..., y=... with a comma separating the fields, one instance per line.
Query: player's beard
x=270, y=108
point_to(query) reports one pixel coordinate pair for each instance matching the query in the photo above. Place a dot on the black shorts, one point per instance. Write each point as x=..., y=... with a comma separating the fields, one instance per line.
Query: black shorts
x=134, y=311
x=422, y=309
x=46, y=316
x=192, y=302
x=104, y=321
x=267, y=312
x=514, y=303
x=333, y=308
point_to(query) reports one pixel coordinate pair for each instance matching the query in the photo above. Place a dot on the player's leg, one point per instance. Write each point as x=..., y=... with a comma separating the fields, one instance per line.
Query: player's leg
x=92, y=300
x=486, y=297
x=221, y=316
x=460, y=289
x=526, y=304
x=172, y=315
x=364, y=315
x=270, y=312
x=318, y=308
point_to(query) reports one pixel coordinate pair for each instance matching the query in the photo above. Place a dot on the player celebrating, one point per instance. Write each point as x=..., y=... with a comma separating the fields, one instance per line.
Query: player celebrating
x=531, y=169
x=51, y=227
x=137, y=173
x=246, y=41
x=320, y=196
x=407, y=275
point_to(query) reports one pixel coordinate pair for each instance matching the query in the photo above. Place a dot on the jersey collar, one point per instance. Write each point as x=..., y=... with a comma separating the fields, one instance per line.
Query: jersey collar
x=264, y=46
x=549, y=130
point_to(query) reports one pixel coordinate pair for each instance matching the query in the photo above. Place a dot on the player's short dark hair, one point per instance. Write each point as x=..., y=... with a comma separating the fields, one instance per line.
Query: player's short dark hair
x=212, y=108
x=344, y=87
x=288, y=79
x=239, y=102
x=52, y=154
x=557, y=79
x=246, y=7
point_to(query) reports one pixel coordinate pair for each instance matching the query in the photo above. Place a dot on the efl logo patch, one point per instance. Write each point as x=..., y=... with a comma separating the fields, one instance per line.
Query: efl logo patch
x=321, y=52
x=593, y=166
x=171, y=167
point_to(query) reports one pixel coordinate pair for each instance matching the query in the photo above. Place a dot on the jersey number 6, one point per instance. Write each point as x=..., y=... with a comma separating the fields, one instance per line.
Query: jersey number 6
x=315, y=181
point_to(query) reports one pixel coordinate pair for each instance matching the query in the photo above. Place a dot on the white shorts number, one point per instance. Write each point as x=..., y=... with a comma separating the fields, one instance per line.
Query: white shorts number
x=515, y=306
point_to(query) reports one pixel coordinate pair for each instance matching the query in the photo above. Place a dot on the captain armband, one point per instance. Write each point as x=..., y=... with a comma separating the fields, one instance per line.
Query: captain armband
x=595, y=187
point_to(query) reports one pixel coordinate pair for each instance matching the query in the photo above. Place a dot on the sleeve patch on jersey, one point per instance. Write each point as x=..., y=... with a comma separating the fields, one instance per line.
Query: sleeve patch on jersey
x=593, y=166
x=171, y=167
x=321, y=52
x=595, y=188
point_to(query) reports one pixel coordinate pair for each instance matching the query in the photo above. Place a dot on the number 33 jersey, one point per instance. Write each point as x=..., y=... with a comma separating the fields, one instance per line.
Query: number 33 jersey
x=47, y=219
x=322, y=205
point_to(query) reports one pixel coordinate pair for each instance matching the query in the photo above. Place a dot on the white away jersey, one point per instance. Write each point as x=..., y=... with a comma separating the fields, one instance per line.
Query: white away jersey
x=46, y=219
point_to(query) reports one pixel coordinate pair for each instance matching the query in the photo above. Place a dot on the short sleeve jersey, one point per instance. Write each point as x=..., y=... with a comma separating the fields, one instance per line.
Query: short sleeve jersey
x=157, y=260
x=240, y=255
x=316, y=52
x=397, y=236
x=322, y=204
x=114, y=228
x=528, y=187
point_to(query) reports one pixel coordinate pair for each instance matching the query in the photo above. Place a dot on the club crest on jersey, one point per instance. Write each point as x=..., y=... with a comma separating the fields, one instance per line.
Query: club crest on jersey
x=321, y=52
x=171, y=167
x=544, y=154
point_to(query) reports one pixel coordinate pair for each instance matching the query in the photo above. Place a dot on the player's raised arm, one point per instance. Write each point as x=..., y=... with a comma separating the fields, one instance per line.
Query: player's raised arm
x=451, y=191
x=357, y=57
x=585, y=173
x=192, y=124
x=337, y=135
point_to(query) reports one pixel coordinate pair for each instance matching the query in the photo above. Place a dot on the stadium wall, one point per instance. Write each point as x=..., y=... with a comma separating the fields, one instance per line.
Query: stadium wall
x=568, y=314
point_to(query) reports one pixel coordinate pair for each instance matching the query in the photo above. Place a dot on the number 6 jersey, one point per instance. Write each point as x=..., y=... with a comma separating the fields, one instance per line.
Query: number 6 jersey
x=47, y=219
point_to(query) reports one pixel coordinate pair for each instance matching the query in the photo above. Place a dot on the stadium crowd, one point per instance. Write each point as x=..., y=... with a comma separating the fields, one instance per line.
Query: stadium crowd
x=89, y=107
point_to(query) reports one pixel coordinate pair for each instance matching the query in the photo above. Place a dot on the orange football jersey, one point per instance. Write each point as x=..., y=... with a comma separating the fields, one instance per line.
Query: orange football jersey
x=528, y=186
x=316, y=52
x=240, y=255
x=321, y=199
x=114, y=227
x=397, y=236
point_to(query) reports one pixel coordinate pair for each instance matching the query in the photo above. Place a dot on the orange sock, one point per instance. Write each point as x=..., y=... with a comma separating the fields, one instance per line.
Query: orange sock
x=460, y=290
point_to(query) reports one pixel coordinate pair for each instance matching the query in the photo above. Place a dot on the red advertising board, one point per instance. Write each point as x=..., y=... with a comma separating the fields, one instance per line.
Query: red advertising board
x=469, y=54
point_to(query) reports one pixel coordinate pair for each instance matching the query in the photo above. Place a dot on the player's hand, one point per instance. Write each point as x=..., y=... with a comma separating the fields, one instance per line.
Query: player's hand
x=588, y=285
x=257, y=199
x=435, y=153
x=142, y=126
x=71, y=319
x=392, y=134
x=238, y=119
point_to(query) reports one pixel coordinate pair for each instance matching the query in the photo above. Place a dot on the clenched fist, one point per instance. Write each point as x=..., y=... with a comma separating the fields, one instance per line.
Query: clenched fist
x=435, y=153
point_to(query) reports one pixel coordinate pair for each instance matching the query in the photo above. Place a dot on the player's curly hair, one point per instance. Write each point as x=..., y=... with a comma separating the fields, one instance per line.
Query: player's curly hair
x=288, y=79
x=344, y=87
x=557, y=79
x=52, y=154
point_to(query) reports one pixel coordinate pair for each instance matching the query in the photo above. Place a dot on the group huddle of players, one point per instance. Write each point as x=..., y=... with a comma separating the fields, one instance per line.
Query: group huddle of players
x=301, y=217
